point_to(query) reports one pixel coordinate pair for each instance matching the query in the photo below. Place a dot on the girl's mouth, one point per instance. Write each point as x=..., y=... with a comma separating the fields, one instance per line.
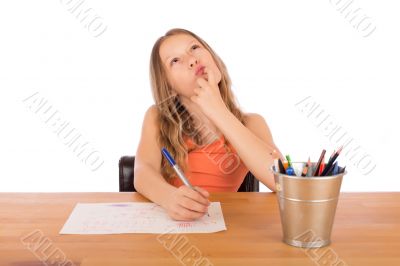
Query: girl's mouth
x=200, y=71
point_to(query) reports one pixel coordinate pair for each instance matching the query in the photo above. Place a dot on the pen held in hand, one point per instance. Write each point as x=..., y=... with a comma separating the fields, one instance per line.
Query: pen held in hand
x=178, y=170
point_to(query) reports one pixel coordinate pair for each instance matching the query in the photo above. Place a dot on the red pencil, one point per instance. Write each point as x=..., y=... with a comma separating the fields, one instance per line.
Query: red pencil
x=321, y=168
x=317, y=166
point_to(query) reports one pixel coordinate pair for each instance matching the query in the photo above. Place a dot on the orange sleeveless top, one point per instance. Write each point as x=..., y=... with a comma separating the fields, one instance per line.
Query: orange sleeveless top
x=215, y=167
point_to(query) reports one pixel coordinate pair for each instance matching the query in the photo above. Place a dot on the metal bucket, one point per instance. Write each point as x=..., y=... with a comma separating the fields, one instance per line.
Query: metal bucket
x=307, y=207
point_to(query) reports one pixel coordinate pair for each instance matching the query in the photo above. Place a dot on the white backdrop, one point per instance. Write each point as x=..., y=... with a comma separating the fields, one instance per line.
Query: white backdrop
x=309, y=67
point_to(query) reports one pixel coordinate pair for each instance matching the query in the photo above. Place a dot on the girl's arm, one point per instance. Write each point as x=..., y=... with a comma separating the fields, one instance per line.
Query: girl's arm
x=148, y=180
x=253, y=143
x=181, y=203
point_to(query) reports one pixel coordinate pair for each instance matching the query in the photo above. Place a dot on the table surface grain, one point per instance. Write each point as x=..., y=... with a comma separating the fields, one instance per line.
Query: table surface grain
x=366, y=232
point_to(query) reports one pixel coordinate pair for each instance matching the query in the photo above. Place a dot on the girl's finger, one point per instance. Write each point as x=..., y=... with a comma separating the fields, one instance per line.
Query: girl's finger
x=183, y=214
x=192, y=205
x=202, y=82
x=194, y=195
x=196, y=91
x=210, y=75
x=204, y=192
x=194, y=99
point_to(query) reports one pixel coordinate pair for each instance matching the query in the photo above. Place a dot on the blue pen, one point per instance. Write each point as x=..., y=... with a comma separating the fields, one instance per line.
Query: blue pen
x=177, y=169
x=290, y=169
x=336, y=169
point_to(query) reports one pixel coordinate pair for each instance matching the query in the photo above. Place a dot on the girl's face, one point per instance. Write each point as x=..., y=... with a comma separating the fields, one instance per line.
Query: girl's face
x=184, y=59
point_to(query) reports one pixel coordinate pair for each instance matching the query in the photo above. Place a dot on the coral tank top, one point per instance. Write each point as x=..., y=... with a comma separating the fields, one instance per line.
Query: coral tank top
x=215, y=167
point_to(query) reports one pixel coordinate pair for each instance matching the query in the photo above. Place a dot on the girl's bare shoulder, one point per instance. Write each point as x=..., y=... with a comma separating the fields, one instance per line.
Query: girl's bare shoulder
x=253, y=118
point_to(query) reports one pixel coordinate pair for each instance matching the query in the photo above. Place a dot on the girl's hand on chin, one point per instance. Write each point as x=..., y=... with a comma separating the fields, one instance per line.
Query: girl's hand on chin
x=207, y=95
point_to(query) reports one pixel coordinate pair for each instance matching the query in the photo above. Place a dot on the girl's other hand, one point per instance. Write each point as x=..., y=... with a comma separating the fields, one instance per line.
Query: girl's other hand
x=186, y=204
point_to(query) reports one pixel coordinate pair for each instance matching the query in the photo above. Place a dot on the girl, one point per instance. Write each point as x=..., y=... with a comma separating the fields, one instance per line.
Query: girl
x=196, y=119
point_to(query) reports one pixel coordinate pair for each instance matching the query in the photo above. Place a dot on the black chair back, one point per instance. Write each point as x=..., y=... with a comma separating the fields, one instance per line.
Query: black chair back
x=126, y=175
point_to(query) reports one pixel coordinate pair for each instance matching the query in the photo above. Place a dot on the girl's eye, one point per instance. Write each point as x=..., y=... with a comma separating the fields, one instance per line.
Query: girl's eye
x=195, y=46
x=174, y=61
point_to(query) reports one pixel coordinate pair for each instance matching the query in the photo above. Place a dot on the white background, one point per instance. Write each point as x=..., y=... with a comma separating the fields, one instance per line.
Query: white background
x=277, y=53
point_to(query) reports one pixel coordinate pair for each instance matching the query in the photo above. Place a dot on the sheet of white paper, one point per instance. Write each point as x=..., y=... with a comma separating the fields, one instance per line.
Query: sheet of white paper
x=137, y=217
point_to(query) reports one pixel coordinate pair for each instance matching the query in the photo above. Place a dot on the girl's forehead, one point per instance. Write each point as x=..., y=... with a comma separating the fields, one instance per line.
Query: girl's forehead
x=175, y=44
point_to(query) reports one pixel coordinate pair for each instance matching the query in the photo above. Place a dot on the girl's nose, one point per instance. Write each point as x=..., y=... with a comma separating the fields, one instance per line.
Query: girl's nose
x=192, y=62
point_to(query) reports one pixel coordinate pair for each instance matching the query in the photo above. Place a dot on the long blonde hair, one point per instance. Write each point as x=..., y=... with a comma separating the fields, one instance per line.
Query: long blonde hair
x=174, y=120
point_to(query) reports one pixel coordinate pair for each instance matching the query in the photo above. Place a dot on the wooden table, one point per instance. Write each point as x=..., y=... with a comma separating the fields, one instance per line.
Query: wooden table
x=366, y=232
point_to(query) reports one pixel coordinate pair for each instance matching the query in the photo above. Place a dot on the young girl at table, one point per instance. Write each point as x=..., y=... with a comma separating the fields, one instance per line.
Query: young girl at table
x=197, y=120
